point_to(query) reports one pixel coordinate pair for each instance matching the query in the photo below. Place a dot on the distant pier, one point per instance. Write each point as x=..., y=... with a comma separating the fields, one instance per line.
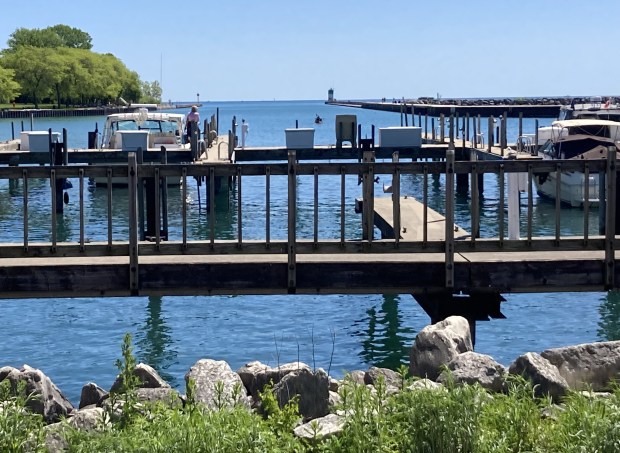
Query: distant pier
x=545, y=107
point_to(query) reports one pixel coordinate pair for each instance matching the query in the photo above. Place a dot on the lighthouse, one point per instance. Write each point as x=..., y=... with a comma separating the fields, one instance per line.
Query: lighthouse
x=330, y=95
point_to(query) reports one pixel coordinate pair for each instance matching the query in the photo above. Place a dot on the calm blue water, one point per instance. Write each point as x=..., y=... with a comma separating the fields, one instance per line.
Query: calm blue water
x=76, y=341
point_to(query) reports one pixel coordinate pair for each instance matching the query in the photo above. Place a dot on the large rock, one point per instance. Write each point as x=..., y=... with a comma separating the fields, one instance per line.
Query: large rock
x=44, y=397
x=321, y=428
x=255, y=375
x=91, y=394
x=438, y=344
x=311, y=388
x=216, y=384
x=166, y=395
x=587, y=366
x=148, y=377
x=471, y=368
x=542, y=374
x=390, y=377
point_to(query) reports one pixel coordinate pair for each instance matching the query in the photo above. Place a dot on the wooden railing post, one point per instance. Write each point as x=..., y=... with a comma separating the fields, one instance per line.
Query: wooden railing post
x=396, y=199
x=292, y=222
x=368, y=195
x=610, y=217
x=442, y=133
x=449, y=235
x=132, y=181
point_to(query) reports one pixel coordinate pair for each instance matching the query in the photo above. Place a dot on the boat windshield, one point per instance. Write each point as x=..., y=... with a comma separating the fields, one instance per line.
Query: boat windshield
x=148, y=125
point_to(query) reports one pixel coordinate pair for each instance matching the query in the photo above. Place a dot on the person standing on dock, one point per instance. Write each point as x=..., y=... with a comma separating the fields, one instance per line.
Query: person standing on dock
x=245, y=128
x=192, y=120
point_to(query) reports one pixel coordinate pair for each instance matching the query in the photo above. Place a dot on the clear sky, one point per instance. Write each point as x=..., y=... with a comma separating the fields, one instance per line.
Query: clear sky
x=277, y=49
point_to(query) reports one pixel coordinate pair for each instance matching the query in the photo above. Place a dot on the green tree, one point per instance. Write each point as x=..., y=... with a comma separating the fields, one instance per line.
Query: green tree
x=72, y=37
x=9, y=88
x=151, y=92
x=50, y=37
x=35, y=70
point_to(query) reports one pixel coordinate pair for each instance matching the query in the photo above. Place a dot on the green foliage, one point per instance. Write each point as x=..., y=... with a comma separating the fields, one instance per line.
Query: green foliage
x=125, y=397
x=281, y=420
x=20, y=430
x=50, y=37
x=9, y=88
x=151, y=92
x=56, y=64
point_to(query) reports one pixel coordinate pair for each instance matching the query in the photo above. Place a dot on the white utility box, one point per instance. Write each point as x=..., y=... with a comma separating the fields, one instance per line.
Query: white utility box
x=132, y=140
x=39, y=141
x=301, y=138
x=400, y=137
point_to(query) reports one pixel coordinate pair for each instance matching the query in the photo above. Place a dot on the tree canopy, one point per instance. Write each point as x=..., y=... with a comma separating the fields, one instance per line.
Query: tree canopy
x=55, y=64
x=50, y=37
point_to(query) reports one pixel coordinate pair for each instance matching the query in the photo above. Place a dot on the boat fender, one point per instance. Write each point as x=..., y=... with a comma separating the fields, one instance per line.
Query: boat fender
x=66, y=197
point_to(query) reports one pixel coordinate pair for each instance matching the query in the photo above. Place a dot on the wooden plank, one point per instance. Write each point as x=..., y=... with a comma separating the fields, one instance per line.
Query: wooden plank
x=412, y=220
x=316, y=274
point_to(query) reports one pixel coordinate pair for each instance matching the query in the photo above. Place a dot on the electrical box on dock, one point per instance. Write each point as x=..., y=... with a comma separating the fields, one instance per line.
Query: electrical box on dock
x=400, y=137
x=38, y=141
x=301, y=138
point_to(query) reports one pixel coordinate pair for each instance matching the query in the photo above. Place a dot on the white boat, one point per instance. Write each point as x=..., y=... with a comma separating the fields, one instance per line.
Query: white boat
x=593, y=108
x=574, y=139
x=128, y=131
x=147, y=130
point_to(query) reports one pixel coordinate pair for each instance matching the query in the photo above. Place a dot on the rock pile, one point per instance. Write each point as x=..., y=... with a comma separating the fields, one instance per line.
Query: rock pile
x=442, y=352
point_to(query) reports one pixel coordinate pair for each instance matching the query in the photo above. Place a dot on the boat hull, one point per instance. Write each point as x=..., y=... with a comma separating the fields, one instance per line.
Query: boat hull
x=572, y=188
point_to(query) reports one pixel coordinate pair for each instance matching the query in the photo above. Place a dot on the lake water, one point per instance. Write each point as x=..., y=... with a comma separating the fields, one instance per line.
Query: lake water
x=75, y=341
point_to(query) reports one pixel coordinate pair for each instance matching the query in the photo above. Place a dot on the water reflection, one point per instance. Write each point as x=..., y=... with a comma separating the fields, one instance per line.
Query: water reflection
x=609, y=325
x=154, y=342
x=386, y=342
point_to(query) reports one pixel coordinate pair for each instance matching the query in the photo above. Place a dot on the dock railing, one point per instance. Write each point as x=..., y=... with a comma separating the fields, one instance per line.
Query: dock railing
x=91, y=243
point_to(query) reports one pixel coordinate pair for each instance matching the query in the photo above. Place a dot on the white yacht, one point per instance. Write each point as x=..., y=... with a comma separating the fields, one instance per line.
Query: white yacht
x=574, y=139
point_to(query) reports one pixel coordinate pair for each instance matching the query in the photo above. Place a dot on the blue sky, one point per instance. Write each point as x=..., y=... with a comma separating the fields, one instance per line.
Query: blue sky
x=276, y=49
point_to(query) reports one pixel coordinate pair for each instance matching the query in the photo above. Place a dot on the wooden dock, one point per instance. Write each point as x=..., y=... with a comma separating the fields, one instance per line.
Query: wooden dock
x=412, y=219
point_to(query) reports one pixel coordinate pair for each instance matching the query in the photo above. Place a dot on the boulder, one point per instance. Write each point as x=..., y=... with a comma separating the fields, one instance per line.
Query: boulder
x=437, y=344
x=356, y=376
x=542, y=374
x=91, y=394
x=216, y=384
x=149, y=378
x=166, y=395
x=587, y=366
x=471, y=368
x=321, y=428
x=424, y=384
x=90, y=419
x=390, y=377
x=255, y=375
x=311, y=388
x=44, y=397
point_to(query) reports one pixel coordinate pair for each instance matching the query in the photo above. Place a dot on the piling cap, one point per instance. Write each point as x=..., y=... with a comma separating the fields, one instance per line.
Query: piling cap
x=194, y=108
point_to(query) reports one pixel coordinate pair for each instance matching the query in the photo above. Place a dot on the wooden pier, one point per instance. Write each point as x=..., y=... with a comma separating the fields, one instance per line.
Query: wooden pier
x=436, y=109
x=447, y=269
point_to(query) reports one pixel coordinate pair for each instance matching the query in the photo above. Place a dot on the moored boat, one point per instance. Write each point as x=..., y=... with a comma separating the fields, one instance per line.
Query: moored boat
x=574, y=139
x=147, y=130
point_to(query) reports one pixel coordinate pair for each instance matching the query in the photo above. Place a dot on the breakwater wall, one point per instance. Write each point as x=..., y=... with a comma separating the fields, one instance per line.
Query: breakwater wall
x=543, y=107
